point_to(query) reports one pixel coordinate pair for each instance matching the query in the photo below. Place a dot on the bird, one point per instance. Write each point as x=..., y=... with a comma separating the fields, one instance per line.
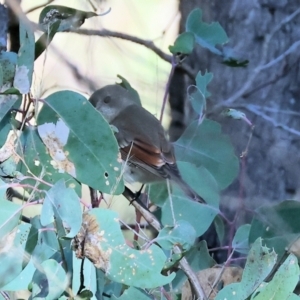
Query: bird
x=143, y=142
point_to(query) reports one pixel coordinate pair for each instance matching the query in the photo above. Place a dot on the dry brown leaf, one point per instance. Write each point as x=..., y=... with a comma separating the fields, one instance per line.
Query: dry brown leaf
x=216, y=277
x=87, y=243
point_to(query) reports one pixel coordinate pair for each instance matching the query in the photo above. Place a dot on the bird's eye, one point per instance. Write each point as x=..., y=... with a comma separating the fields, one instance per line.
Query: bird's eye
x=107, y=99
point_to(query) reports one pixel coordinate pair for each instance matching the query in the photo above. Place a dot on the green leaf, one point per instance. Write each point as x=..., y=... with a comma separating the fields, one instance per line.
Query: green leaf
x=278, y=225
x=220, y=228
x=260, y=262
x=47, y=245
x=283, y=283
x=158, y=193
x=206, y=35
x=202, y=82
x=89, y=273
x=240, y=241
x=24, y=68
x=88, y=149
x=192, y=211
x=13, y=256
x=39, y=162
x=1, y=77
x=205, y=145
x=69, y=18
x=64, y=204
x=45, y=39
x=184, y=44
x=197, y=99
x=125, y=265
x=182, y=234
x=133, y=293
x=8, y=61
x=201, y=181
x=126, y=85
x=49, y=281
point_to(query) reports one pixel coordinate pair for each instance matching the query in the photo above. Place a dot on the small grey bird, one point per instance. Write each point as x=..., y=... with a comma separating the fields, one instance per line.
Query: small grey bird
x=141, y=138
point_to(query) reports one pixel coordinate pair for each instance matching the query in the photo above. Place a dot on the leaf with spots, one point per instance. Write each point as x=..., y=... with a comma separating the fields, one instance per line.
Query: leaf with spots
x=12, y=253
x=105, y=246
x=260, y=263
x=283, y=283
x=80, y=141
x=37, y=162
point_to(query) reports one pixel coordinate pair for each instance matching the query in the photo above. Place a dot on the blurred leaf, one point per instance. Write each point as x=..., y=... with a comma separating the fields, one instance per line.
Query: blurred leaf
x=8, y=61
x=39, y=162
x=24, y=68
x=188, y=210
x=202, y=82
x=62, y=203
x=205, y=145
x=278, y=225
x=69, y=18
x=133, y=293
x=283, y=283
x=12, y=252
x=240, y=241
x=126, y=85
x=22, y=281
x=233, y=59
x=233, y=113
x=206, y=35
x=90, y=146
x=181, y=234
x=1, y=76
x=184, y=44
x=49, y=281
x=122, y=264
x=220, y=228
x=260, y=262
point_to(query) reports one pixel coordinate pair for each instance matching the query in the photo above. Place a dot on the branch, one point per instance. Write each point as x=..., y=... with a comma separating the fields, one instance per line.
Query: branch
x=254, y=109
x=146, y=43
x=151, y=219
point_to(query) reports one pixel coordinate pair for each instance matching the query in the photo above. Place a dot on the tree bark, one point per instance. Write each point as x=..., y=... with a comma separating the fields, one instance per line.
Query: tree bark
x=267, y=33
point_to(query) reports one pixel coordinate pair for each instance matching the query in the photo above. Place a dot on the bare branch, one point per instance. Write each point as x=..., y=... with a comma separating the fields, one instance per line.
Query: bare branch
x=146, y=43
x=256, y=111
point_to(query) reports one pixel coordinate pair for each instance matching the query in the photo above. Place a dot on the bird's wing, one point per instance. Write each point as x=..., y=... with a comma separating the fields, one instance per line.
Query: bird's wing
x=142, y=140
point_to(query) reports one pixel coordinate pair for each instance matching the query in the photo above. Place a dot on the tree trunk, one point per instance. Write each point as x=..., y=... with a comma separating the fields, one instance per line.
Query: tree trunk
x=268, y=90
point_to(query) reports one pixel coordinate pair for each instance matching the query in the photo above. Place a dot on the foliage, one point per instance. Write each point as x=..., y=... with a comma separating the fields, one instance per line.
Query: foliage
x=71, y=144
